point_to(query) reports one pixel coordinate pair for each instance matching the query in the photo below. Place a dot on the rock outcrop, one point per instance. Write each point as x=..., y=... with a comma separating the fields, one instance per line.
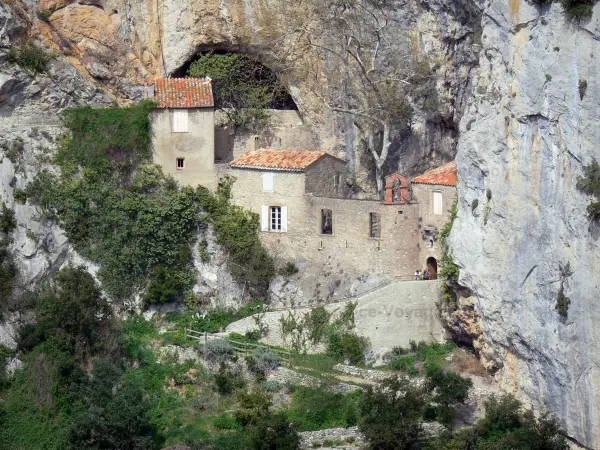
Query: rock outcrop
x=531, y=124
x=125, y=40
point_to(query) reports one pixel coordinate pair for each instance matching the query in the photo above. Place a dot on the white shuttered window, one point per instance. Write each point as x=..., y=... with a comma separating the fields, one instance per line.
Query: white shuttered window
x=273, y=218
x=437, y=202
x=180, y=121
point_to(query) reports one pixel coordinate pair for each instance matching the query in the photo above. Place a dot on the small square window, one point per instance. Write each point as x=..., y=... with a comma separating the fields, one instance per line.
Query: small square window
x=326, y=221
x=180, y=163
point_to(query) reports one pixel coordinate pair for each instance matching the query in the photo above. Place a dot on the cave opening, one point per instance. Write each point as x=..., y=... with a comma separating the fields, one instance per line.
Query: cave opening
x=244, y=69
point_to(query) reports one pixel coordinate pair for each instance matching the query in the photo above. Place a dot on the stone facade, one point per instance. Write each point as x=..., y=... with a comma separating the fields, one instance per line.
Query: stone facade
x=334, y=240
x=196, y=146
x=432, y=220
x=285, y=130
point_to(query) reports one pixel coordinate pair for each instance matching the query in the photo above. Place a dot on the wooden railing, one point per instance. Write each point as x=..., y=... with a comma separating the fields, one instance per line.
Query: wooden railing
x=241, y=348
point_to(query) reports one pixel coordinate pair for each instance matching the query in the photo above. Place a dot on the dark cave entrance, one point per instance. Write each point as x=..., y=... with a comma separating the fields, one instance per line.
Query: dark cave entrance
x=257, y=73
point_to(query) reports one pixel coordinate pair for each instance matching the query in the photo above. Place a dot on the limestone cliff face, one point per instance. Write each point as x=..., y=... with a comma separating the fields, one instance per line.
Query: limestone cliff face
x=531, y=124
x=124, y=41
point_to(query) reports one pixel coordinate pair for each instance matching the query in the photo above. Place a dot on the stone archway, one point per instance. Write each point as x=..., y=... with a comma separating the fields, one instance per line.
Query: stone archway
x=433, y=268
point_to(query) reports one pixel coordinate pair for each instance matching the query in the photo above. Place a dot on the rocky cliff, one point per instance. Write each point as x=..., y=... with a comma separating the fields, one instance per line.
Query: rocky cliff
x=520, y=79
x=531, y=124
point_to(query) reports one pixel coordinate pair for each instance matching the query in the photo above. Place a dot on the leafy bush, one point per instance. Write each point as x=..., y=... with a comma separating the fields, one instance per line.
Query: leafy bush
x=242, y=87
x=30, y=58
x=228, y=380
x=8, y=222
x=403, y=363
x=590, y=184
x=226, y=422
x=252, y=406
x=347, y=345
x=70, y=313
x=318, y=408
x=264, y=361
x=218, y=349
x=126, y=216
x=273, y=431
x=562, y=302
x=505, y=426
x=391, y=413
x=20, y=195
x=316, y=323
x=236, y=230
x=577, y=9
x=448, y=388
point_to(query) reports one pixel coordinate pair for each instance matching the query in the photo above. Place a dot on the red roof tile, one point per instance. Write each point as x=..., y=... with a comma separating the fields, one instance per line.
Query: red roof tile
x=444, y=175
x=183, y=92
x=281, y=159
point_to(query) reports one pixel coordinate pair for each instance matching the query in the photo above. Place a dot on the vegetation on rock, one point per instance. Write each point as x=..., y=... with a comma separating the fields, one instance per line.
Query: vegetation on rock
x=590, y=184
x=130, y=218
x=30, y=58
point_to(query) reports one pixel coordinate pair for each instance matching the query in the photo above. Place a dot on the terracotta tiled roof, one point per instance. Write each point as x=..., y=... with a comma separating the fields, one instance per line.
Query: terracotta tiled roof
x=444, y=175
x=277, y=159
x=183, y=92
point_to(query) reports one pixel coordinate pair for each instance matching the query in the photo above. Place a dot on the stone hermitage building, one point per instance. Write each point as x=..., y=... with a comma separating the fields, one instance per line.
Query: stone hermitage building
x=303, y=198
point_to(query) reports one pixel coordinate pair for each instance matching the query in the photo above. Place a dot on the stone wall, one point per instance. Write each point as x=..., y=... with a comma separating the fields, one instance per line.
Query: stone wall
x=331, y=266
x=195, y=146
x=327, y=178
x=285, y=130
x=390, y=316
x=431, y=224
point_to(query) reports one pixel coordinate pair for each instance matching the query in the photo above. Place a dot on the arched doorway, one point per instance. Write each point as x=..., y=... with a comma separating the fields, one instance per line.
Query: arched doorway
x=432, y=266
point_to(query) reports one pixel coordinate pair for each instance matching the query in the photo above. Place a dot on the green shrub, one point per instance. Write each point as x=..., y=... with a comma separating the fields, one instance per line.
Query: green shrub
x=391, y=414
x=562, y=302
x=403, y=363
x=8, y=222
x=448, y=389
x=347, y=345
x=589, y=184
x=226, y=422
x=236, y=230
x=273, y=431
x=316, y=323
x=252, y=405
x=577, y=9
x=271, y=386
x=264, y=361
x=218, y=349
x=583, y=84
x=318, y=408
x=504, y=426
x=19, y=195
x=30, y=58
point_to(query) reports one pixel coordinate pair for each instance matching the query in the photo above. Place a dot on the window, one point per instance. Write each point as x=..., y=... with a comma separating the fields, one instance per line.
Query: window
x=267, y=181
x=375, y=225
x=180, y=163
x=180, y=121
x=273, y=218
x=337, y=180
x=326, y=221
x=437, y=202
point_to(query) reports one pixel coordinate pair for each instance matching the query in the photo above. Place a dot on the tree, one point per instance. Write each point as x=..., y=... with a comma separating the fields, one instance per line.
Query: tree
x=273, y=431
x=448, y=389
x=71, y=313
x=391, y=413
x=378, y=71
x=243, y=87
